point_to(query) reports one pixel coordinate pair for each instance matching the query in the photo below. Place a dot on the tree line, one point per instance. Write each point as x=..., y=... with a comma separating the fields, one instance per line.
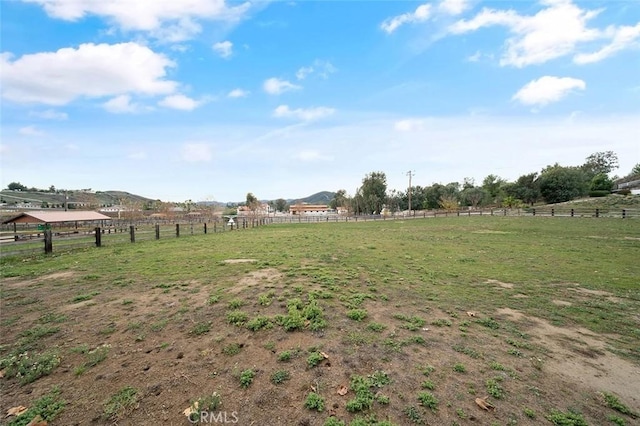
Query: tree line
x=553, y=184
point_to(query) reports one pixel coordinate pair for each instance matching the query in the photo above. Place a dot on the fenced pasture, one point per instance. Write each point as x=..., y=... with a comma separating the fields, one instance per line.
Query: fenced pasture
x=404, y=321
x=25, y=239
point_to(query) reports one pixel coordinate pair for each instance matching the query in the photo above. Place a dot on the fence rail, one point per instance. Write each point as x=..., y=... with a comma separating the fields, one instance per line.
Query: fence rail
x=29, y=239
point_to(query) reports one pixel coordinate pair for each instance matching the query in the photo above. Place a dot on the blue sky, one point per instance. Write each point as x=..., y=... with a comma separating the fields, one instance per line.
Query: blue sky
x=209, y=100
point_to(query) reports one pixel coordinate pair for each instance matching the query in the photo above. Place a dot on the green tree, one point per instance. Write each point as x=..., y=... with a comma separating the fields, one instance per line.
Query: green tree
x=600, y=162
x=526, y=188
x=635, y=171
x=493, y=185
x=559, y=184
x=340, y=199
x=473, y=196
x=373, y=192
x=281, y=205
x=601, y=182
x=16, y=186
x=252, y=202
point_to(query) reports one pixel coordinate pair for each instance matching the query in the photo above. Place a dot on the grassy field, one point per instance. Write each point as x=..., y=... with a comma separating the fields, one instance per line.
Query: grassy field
x=391, y=322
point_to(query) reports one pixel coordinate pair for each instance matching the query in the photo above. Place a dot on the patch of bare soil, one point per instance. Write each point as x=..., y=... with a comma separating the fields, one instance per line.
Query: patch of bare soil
x=256, y=279
x=580, y=356
x=520, y=296
x=234, y=261
x=499, y=283
x=561, y=302
x=11, y=283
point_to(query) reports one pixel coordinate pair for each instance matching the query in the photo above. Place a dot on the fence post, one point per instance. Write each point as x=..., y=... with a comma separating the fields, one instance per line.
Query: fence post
x=48, y=241
x=98, y=237
x=597, y=212
x=157, y=232
x=624, y=213
x=191, y=228
x=205, y=228
x=571, y=212
x=534, y=212
x=491, y=212
x=132, y=233
x=553, y=212
x=177, y=230
x=215, y=227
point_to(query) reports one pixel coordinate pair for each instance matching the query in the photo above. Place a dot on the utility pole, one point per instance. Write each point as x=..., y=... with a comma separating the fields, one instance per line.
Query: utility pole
x=410, y=174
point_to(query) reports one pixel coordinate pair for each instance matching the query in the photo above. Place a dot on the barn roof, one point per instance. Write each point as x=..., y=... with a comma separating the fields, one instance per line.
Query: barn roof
x=57, y=217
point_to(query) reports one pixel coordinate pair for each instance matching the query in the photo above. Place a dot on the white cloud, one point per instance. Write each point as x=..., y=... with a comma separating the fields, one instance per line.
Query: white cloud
x=223, y=48
x=275, y=86
x=548, y=89
x=168, y=20
x=453, y=7
x=409, y=125
x=421, y=14
x=308, y=114
x=475, y=57
x=303, y=72
x=319, y=67
x=312, y=155
x=49, y=114
x=30, y=131
x=238, y=93
x=621, y=38
x=91, y=70
x=121, y=105
x=180, y=102
x=553, y=32
x=197, y=152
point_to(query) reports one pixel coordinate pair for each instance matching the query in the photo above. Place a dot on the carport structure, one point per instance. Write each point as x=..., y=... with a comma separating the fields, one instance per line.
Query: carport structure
x=56, y=217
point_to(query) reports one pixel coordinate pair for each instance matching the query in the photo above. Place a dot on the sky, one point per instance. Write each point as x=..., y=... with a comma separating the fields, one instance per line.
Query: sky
x=212, y=99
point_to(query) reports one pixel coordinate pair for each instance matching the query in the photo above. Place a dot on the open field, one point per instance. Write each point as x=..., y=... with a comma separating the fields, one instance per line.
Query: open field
x=413, y=319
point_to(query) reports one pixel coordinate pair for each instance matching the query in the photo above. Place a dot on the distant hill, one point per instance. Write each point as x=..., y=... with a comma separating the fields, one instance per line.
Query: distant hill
x=75, y=198
x=323, y=197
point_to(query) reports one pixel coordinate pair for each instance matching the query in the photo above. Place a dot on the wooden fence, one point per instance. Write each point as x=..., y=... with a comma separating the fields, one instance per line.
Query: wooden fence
x=28, y=239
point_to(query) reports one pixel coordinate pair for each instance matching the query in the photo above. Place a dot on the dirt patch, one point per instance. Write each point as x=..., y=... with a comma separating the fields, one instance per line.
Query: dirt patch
x=499, y=283
x=489, y=231
x=256, y=278
x=592, y=292
x=520, y=296
x=561, y=302
x=233, y=261
x=16, y=283
x=579, y=355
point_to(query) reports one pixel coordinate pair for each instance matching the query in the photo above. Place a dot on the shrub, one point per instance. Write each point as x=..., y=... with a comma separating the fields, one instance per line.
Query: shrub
x=280, y=376
x=428, y=400
x=314, y=402
x=246, y=378
x=357, y=314
x=598, y=193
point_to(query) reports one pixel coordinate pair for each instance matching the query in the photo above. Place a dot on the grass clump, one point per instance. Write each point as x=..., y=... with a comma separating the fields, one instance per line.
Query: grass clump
x=494, y=388
x=613, y=402
x=232, y=349
x=489, y=323
x=314, y=402
x=427, y=400
x=376, y=326
x=570, y=418
x=314, y=359
x=259, y=322
x=84, y=297
x=332, y=421
x=459, y=368
x=357, y=314
x=414, y=415
x=237, y=317
x=29, y=367
x=47, y=407
x=362, y=387
x=442, y=322
x=280, y=376
x=201, y=328
x=205, y=404
x=120, y=404
x=236, y=304
x=284, y=356
x=428, y=384
x=246, y=378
